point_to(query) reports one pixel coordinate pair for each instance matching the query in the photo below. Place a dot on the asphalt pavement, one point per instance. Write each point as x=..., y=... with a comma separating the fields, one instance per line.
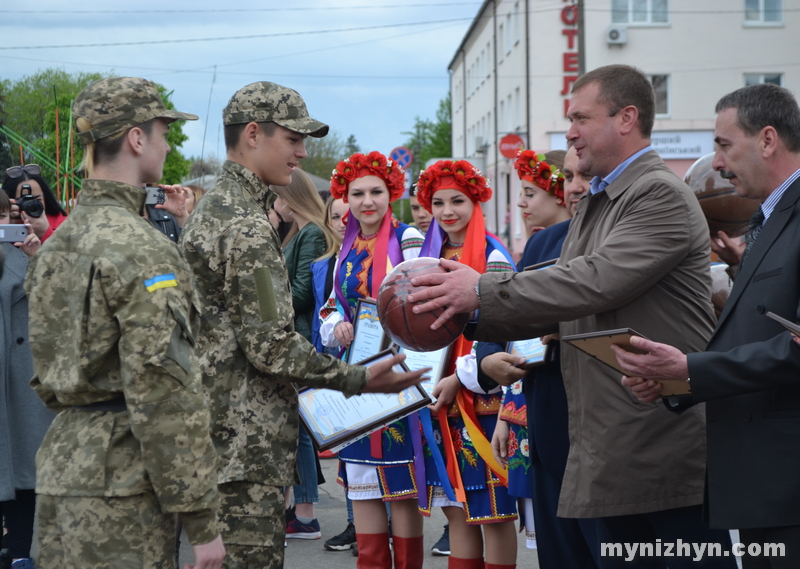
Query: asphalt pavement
x=332, y=516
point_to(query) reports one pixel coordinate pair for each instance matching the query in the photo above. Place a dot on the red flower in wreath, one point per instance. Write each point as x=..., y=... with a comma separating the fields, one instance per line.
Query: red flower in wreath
x=372, y=164
x=459, y=175
x=534, y=168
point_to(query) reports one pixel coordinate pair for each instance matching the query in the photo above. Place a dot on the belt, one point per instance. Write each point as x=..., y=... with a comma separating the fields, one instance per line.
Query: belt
x=109, y=406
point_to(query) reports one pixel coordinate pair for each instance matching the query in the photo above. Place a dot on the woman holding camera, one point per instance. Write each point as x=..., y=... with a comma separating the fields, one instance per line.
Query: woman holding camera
x=32, y=200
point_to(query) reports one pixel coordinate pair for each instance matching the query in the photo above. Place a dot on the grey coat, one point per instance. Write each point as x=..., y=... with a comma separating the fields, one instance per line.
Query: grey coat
x=636, y=255
x=23, y=417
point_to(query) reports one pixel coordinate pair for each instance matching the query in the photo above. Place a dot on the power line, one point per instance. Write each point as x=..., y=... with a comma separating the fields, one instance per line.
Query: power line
x=226, y=38
x=246, y=10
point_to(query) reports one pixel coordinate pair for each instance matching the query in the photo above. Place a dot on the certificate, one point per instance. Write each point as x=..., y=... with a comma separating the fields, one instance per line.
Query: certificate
x=534, y=352
x=334, y=420
x=368, y=336
x=436, y=360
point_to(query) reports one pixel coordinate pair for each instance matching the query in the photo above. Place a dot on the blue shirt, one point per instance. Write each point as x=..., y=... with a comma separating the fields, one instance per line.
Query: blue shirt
x=769, y=204
x=598, y=185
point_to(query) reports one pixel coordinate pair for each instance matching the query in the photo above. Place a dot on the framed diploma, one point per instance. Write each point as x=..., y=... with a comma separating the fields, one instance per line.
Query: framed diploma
x=334, y=420
x=368, y=336
x=598, y=346
x=436, y=360
x=534, y=352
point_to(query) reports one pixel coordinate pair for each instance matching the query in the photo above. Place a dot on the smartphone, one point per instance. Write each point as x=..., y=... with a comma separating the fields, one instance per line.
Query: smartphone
x=155, y=195
x=13, y=233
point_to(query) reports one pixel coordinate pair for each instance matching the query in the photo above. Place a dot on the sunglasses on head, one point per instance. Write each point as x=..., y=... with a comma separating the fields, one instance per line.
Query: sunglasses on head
x=29, y=169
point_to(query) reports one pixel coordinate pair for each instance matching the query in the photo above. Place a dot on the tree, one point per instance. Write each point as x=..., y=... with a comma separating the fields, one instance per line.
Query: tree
x=208, y=165
x=324, y=153
x=30, y=111
x=351, y=146
x=431, y=139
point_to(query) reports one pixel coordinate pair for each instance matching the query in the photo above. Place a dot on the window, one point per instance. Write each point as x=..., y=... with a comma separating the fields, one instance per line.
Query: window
x=501, y=39
x=661, y=87
x=641, y=11
x=517, y=116
x=763, y=11
x=509, y=36
x=515, y=26
x=755, y=78
x=501, y=117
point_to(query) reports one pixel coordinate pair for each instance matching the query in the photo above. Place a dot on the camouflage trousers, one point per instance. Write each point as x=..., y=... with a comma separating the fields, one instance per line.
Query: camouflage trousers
x=253, y=525
x=104, y=533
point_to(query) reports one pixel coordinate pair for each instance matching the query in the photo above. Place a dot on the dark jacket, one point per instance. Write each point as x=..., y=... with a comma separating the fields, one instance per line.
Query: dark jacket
x=750, y=378
x=305, y=247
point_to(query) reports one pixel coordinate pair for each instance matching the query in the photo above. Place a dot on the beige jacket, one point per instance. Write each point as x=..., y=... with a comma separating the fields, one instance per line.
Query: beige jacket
x=636, y=255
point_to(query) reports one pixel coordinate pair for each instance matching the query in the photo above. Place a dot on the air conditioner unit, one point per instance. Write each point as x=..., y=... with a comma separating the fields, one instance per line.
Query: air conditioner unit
x=617, y=35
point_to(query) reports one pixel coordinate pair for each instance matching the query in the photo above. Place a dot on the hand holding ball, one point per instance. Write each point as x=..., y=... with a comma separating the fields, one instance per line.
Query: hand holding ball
x=409, y=330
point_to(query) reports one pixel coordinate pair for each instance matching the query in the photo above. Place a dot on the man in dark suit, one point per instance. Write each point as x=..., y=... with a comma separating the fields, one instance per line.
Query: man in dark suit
x=750, y=374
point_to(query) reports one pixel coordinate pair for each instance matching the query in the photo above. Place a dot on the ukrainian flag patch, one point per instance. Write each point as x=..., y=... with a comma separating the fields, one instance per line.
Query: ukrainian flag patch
x=160, y=281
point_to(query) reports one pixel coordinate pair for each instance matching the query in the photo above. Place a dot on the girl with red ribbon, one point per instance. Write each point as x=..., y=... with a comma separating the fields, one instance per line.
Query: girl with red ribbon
x=461, y=473
x=380, y=467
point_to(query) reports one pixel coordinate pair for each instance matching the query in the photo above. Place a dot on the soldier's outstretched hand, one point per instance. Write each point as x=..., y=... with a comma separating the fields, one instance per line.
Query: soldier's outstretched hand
x=383, y=378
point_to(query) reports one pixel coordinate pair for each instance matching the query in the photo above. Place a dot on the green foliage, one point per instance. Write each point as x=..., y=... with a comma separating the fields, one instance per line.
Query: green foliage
x=30, y=110
x=176, y=168
x=431, y=139
x=324, y=153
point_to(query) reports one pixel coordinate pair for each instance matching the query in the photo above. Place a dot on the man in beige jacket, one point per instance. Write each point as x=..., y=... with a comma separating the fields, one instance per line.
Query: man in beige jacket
x=636, y=255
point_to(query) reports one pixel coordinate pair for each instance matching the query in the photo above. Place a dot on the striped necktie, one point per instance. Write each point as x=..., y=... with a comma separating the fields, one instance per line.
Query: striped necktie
x=756, y=223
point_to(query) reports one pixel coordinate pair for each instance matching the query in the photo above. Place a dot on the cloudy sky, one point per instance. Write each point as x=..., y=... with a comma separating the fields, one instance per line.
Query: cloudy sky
x=366, y=67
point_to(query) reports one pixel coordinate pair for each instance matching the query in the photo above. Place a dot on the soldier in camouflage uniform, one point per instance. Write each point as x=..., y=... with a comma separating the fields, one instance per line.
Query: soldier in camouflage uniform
x=250, y=354
x=112, y=323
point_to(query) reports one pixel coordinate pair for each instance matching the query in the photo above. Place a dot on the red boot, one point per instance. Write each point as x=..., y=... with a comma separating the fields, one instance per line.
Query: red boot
x=373, y=551
x=408, y=552
x=457, y=563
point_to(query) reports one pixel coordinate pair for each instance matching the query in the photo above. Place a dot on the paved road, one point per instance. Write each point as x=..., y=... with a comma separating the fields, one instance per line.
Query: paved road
x=332, y=516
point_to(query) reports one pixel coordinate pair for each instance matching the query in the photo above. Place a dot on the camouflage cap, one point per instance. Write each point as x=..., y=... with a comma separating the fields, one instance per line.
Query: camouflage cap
x=267, y=102
x=115, y=104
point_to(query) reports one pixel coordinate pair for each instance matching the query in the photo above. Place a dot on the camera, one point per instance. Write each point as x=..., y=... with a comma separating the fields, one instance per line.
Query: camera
x=28, y=203
x=155, y=196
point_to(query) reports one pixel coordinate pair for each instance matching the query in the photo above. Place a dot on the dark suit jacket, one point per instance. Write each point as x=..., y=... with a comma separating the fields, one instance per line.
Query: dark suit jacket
x=750, y=378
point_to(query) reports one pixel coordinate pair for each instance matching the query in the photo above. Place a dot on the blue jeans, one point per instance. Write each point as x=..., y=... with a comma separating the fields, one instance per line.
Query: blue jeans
x=307, y=492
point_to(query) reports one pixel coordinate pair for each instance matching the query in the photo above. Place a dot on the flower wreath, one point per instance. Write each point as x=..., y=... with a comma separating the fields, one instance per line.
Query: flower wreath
x=373, y=164
x=533, y=167
x=461, y=173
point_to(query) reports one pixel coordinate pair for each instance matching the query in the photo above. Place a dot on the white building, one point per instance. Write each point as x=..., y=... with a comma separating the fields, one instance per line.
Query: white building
x=514, y=69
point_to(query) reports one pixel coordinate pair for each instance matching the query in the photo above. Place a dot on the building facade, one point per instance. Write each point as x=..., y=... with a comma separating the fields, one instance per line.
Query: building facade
x=514, y=69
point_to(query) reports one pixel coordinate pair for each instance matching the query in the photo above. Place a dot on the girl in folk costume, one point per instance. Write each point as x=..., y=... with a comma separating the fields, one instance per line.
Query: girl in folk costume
x=461, y=473
x=378, y=467
x=543, y=206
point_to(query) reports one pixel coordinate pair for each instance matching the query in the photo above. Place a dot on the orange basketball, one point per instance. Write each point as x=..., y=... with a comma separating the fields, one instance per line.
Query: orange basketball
x=409, y=330
x=724, y=209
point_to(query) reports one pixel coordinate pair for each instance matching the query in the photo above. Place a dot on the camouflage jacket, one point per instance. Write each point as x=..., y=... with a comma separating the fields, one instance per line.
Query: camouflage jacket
x=250, y=354
x=112, y=313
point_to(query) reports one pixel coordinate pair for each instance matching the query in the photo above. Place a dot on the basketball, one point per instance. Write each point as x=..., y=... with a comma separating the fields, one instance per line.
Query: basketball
x=724, y=209
x=413, y=331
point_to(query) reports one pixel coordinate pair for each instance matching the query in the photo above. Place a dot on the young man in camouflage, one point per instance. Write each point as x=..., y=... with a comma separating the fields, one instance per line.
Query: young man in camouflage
x=251, y=357
x=112, y=325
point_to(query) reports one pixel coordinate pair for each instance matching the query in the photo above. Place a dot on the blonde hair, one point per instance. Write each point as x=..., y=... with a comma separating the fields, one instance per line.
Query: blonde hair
x=302, y=197
x=104, y=148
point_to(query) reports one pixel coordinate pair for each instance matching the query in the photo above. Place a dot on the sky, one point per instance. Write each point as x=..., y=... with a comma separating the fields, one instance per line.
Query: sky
x=365, y=67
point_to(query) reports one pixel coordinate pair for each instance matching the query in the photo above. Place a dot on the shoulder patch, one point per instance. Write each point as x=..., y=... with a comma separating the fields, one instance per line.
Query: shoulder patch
x=160, y=281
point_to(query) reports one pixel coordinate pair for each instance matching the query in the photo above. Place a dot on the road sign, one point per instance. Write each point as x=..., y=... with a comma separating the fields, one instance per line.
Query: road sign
x=510, y=145
x=402, y=156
